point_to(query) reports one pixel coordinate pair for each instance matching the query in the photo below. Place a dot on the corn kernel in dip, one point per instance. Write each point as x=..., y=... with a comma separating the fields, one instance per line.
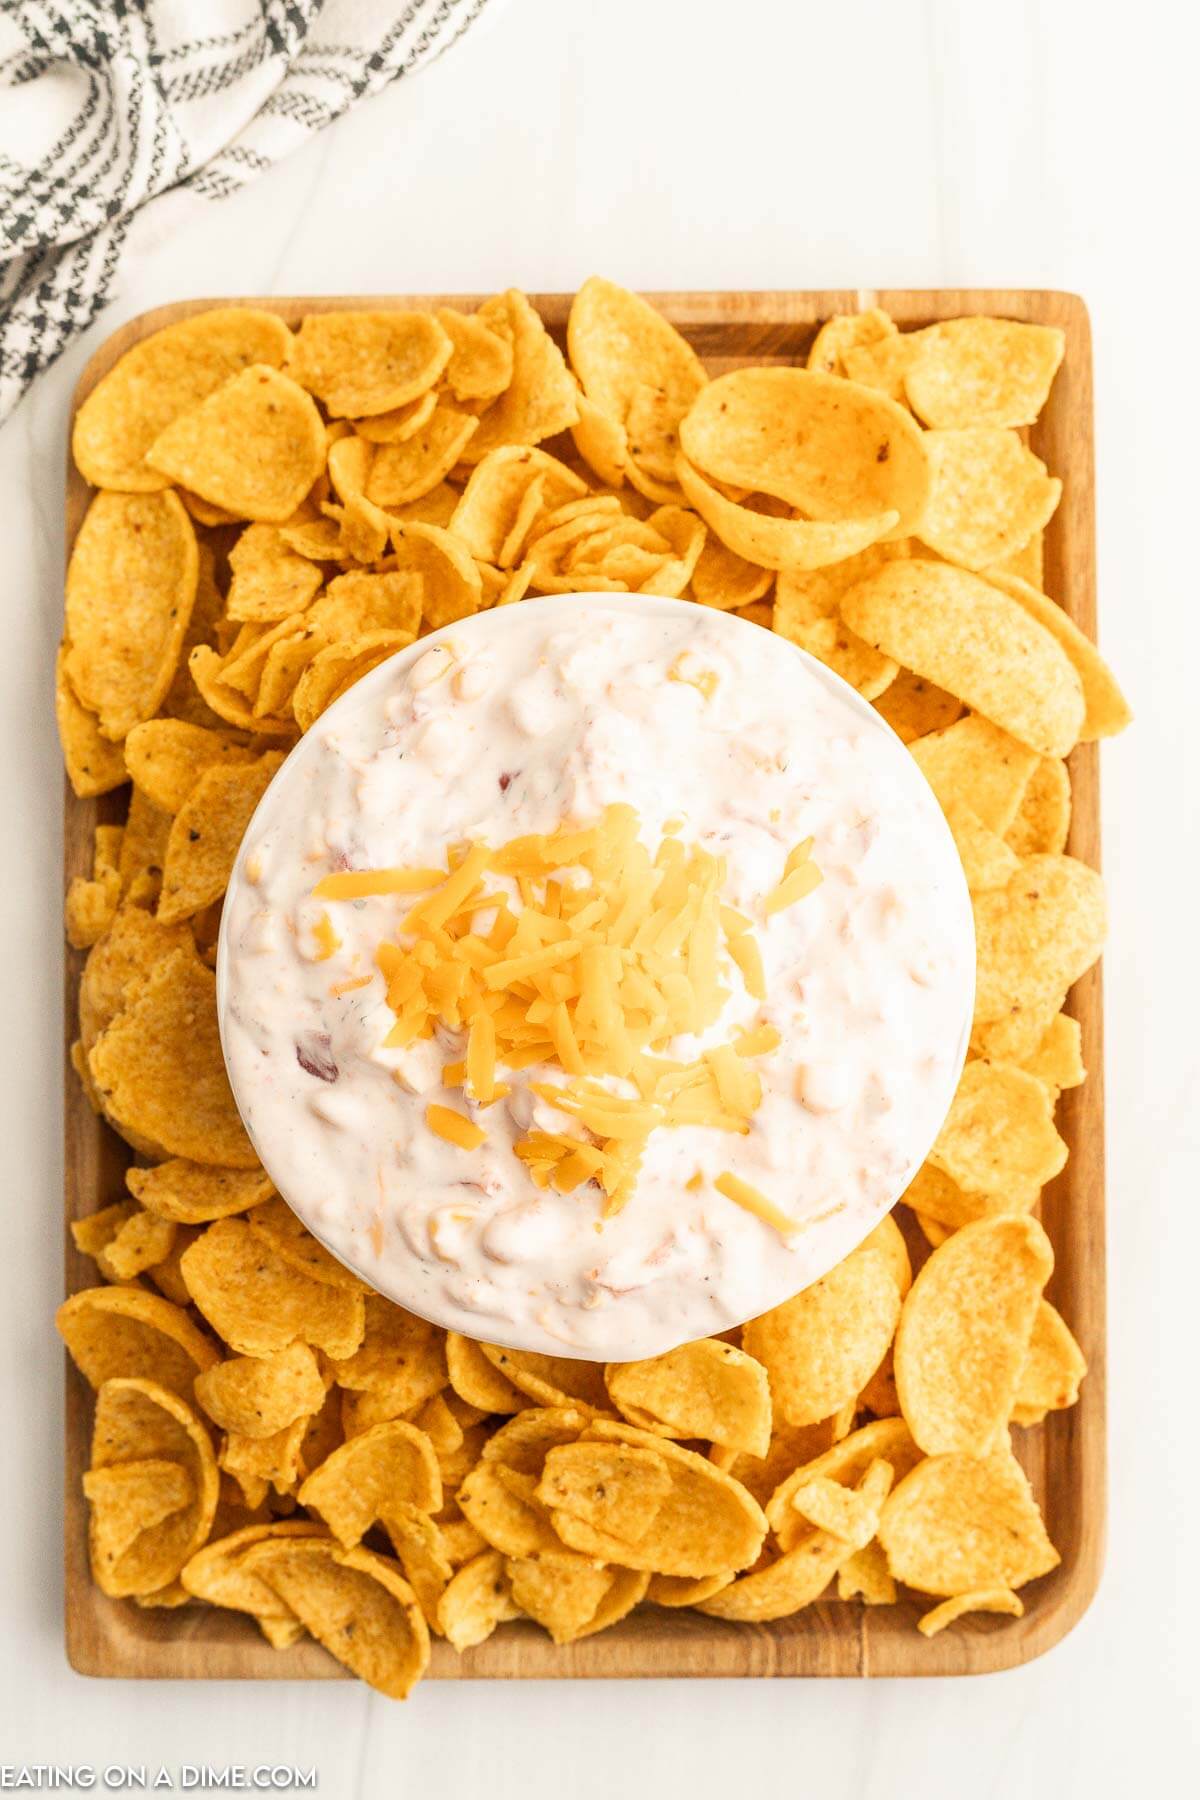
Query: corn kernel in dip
x=643, y=971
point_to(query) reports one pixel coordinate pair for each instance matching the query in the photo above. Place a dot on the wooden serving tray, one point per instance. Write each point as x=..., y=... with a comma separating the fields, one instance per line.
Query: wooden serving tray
x=1065, y=1457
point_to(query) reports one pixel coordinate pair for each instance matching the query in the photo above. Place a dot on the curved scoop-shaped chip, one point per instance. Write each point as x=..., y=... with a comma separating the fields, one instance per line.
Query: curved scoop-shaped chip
x=979, y=644
x=120, y=1331
x=207, y=832
x=1053, y=1368
x=254, y=447
x=552, y=1381
x=258, y=1303
x=485, y=517
x=195, y=1194
x=476, y=1601
x=356, y=1484
x=215, y=1573
x=990, y=495
x=706, y=1521
x=163, y=376
x=363, y=363
x=999, y=1132
x=1106, y=709
x=258, y=1395
x=1033, y=940
x=131, y=585
x=139, y=1422
x=884, y=1440
x=707, y=1389
x=822, y=1347
x=983, y=372
x=159, y=1070
x=833, y=449
x=540, y=400
x=775, y=543
x=354, y=1602
x=958, y=1524
x=636, y=369
x=964, y=1332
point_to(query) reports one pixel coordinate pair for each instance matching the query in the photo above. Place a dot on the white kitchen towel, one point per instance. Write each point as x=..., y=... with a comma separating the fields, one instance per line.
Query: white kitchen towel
x=118, y=117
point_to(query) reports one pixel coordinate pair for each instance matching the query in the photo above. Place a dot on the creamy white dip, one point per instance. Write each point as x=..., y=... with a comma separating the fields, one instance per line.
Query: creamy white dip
x=522, y=720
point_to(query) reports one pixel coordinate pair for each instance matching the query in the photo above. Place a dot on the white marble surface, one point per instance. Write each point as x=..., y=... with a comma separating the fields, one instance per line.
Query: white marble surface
x=689, y=143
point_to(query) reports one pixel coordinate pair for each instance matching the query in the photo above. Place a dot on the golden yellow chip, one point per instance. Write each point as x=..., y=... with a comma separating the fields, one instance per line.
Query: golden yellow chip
x=992, y=1600
x=976, y=642
x=258, y=1303
x=561, y=1590
x=354, y=1602
x=139, y=1421
x=159, y=1071
x=808, y=611
x=935, y=1196
x=127, y=1501
x=400, y=473
x=356, y=1485
x=726, y=581
x=95, y=764
x=706, y=1521
x=481, y=364
x=165, y=757
x=540, y=400
x=207, y=834
x=397, y=1352
x=260, y=1463
x=834, y=450
x=602, y=442
x=958, y=1524
x=139, y=1243
x=964, y=1332
x=476, y=1601
x=336, y=668
x=93, y=1234
x=999, y=1131
x=421, y=1550
x=821, y=1347
x=270, y=580
x=524, y=1442
x=983, y=372
x=1106, y=710
x=275, y=1222
x=846, y=331
x=1033, y=942
x=974, y=762
x=1044, y=816
x=617, y=1489
x=990, y=494
x=1053, y=1368
x=116, y=1331
x=206, y=667
x=841, y=1511
x=552, y=1381
x=475, y=1380
x=682, y=1590
x=506, y=1510
x=400, y=422
x=635, y=369
x=986, y=858
x=131, y=584
x=707, y=1389
x=866, y=1576
x=118, y=962
x=778, y=543
x=215, y=1572
x=359, y=364
x=254, y=447
x=1058, y=1060
x=914, y=707
x=258, y=1396
x=884, y=362
x=451, y=588
x=884, y=1440
x=165, y=375
x=195, y=1193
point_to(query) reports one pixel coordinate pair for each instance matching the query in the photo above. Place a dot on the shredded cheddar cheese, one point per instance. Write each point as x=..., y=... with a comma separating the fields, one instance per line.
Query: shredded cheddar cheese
x=753, y=1201
x=327, y=938
x=591, y=960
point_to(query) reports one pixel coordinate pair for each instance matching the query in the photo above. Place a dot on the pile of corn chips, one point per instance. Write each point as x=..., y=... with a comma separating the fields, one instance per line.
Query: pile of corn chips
x=277, y=513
